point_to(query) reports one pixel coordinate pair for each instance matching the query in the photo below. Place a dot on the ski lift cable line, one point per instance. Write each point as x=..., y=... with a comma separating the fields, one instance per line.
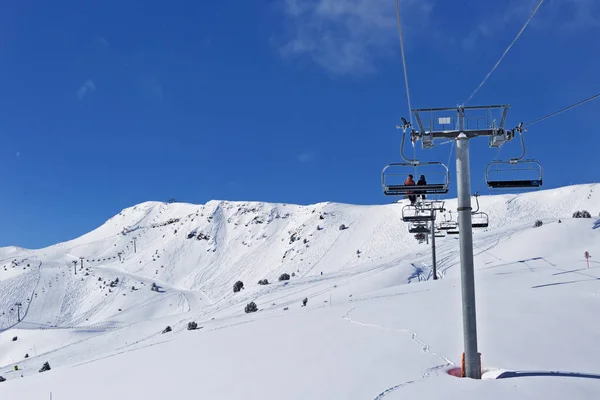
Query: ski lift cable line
x=403, y=61
x=562, y=110
x=505, y=52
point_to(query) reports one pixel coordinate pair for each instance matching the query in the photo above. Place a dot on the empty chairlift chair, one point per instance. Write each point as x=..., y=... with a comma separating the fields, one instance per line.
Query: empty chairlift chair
x=414, y=213
x=448, y=225
x=394, y=175
x=514, y=174
x=479, y=220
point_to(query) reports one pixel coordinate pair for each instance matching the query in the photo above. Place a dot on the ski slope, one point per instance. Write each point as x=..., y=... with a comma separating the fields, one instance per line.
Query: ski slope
x=374, y=326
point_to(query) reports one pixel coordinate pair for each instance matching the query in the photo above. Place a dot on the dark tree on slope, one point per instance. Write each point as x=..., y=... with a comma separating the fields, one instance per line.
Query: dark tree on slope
x=582, y=214
x=284, y=277
x=167, y=329
x=538, y=223
x=45, y=367
x=251, y=307
x=263, y=282
x=239, y=285
x=192, y=326
x=2, y=379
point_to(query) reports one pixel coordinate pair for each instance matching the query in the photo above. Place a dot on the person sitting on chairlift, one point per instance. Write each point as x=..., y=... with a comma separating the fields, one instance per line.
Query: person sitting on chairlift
x=410, y=182
x=421, y=182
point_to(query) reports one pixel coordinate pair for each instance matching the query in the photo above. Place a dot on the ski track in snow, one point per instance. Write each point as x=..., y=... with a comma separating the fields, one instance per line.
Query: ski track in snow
x=424, y=348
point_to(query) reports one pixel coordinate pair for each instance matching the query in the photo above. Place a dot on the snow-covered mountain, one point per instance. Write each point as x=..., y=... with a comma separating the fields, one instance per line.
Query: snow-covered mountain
x=90, y=298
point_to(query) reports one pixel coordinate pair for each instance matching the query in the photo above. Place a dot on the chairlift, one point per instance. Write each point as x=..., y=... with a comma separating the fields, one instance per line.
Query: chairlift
x=448, y=224
x=418, y=228
x=526, y=174
x=413, y=213
x=518, y=168
x=479, y=220
x=453, y=232
x=394, y=175
x=439, y=234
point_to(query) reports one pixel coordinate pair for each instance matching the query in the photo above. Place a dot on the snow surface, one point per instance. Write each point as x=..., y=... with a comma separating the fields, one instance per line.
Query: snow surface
x=374, y=326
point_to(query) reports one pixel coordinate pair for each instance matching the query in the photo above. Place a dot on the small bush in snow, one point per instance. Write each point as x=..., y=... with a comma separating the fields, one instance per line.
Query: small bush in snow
x=27, y=355
x=304, y=302
x=582, y=214
x=263, y=282
x=45, y=367
x=192, y=326
x=15, y=339
x=202, y=236
x=251, y=307
x=294, y=237
x=284, y=277
x=167, y=329
x=293, y=274
x=342, y=227
x=538, y=223
x=239, y=285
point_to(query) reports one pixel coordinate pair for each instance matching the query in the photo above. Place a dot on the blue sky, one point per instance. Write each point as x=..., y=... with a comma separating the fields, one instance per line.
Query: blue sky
x=107, y=104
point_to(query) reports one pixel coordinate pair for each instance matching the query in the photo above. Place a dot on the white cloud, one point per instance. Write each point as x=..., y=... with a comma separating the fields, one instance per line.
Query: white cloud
x=563, y=16
x=346, y=36
x=87, y=87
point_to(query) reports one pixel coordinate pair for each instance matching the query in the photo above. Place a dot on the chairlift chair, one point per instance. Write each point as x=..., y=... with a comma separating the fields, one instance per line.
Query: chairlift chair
x=453, y=232
x=412, y=213
x=517, y=168
x=526, y=174
x=418, y=228
x=439, y=233
x=479, y=220
x=448, y=225
x=394, y=175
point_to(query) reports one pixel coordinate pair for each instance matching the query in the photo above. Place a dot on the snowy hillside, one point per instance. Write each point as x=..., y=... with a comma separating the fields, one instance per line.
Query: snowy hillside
x=372, y=328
